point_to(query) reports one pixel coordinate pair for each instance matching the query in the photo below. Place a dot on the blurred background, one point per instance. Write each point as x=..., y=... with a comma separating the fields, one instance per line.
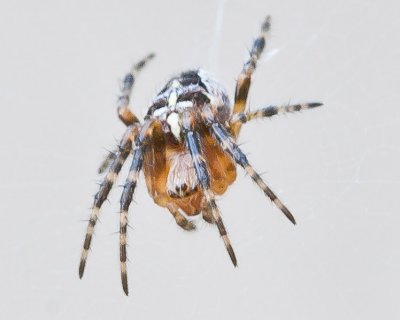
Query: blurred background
x=335, y=167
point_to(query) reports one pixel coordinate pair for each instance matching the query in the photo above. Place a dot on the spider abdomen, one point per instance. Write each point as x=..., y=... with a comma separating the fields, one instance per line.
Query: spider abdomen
x=170, y=174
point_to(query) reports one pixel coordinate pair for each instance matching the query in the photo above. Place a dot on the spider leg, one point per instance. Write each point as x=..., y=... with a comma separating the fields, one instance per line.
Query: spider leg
x=106, y=162
x=270, y=111
x=125, y=147
x=127, y=195
x=180, y=218
x=124, y=113
x=207, y=213
x=228, y=144
x=244, y=79
x=193, y=144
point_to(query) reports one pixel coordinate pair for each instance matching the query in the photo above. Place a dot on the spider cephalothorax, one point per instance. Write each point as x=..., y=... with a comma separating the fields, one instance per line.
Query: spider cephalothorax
x=187, y=148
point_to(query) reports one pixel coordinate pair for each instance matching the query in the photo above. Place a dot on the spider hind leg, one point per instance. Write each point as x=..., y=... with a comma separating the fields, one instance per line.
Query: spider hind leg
x=126, y=199
x=105, y=188
x=193, y=144
x=127, y=195
x=228, y=144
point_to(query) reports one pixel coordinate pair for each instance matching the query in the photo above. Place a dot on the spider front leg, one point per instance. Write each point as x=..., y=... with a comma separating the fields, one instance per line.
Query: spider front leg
x=270, y=111
x=127, y=195
x=244, y=79
x=125, y=147
x=228, y=144
x=193, y=144
x=124, y=112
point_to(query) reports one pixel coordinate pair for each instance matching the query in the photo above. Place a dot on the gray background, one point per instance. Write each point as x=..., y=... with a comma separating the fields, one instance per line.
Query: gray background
x=336, y=167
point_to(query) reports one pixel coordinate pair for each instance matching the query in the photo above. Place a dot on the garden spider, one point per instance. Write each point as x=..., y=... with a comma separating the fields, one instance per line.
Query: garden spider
x=187, y=148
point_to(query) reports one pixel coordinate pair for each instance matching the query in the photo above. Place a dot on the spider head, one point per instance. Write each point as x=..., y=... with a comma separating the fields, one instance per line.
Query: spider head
x=191, y=90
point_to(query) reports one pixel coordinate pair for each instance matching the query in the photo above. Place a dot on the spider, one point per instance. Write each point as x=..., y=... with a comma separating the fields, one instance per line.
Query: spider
x=186, y=147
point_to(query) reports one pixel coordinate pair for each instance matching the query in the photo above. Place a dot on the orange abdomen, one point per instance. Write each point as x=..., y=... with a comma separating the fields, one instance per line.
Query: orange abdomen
x=157, y=164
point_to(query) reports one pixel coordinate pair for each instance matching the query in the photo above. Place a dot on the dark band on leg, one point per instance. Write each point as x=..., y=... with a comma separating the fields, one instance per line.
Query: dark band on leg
x=125, y=147
x=228, y=144
x=193, y=144
x=271, y=111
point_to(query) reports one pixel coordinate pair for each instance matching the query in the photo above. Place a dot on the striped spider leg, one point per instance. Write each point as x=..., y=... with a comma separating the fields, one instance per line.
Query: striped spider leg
x=244, y=79
x=270, y=111
x=186, y=147
x=142, y=141
x=193, y=144
x=125, y=147
x=227, y=143
x=127, y=195
x=124, y=112
x=180, y=219
x=207, y=213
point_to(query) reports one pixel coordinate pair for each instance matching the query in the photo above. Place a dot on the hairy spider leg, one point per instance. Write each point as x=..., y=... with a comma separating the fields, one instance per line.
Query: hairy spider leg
x=270, y=111
x=207, y=213
x=244, y=79
x=192, y=140
x=125, y=147
x=106, y=162
x=127, y=195
x=227, y=142
x=124, y=113
x=180, y=218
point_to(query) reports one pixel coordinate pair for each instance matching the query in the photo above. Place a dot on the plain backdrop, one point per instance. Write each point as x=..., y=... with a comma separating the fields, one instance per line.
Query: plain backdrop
x=336, y=167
